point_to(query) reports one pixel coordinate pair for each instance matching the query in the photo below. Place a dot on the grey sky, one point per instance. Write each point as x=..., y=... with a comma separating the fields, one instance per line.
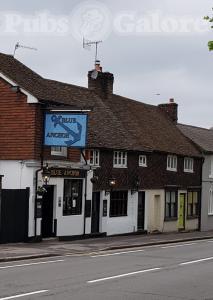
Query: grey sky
x=176, y=64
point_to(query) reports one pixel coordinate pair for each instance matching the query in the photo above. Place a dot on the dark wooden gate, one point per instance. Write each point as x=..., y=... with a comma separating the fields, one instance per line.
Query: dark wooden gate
x=14, y=216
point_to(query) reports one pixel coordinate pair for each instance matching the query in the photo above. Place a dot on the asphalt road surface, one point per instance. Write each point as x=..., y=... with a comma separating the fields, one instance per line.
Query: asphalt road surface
x=173, y=271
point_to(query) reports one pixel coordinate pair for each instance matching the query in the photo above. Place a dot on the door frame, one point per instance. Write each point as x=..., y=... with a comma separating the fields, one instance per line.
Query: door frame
x=184, y=210
x=143, y=198
x=52, y=204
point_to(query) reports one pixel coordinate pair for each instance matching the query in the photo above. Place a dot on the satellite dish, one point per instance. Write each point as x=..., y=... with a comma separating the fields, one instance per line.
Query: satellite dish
x=94, y=74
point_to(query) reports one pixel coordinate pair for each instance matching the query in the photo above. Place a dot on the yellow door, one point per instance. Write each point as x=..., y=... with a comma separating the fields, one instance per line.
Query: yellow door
x=181, y=212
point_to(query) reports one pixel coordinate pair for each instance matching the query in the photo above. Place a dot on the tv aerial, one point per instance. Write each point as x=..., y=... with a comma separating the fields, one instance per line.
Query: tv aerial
x=18, y=45
x=87, y=45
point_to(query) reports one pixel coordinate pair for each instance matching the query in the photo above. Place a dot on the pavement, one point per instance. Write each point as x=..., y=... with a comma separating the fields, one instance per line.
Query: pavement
x=52, y=247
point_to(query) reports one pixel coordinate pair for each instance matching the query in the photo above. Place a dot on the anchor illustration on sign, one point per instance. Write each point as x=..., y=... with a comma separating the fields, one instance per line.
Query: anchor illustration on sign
x=75, y=135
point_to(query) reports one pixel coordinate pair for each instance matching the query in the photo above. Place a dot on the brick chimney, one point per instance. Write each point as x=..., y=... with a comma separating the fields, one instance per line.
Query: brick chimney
x=100, y=82
x=171, y=109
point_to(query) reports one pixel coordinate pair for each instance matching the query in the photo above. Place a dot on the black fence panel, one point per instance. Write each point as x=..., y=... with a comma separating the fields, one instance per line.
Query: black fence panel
x=14, y=215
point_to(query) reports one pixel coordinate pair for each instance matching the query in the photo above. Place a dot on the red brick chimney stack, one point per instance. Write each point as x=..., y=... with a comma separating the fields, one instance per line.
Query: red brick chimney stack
x=171, y=109
x=100, y=82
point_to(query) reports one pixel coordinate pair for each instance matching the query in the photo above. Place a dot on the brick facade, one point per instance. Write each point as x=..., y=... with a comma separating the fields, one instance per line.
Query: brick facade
x=154, y=176
x=21, y=128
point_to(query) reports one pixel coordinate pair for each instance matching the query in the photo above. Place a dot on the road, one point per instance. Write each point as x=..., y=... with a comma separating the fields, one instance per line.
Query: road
x=172, y=271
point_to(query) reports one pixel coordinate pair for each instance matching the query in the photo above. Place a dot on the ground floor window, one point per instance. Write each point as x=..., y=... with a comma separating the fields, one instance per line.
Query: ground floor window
x=192, y=204
x=118, y=203
x=72, y=202
x=171, y=205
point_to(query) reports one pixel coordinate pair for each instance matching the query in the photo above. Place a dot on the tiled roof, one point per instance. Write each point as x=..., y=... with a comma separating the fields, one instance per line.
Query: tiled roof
x=202, y=137
x=115, y=122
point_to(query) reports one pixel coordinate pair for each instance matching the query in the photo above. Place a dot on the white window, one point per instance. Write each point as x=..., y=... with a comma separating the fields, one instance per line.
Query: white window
x=172, y=163
x=211, y=171
x=120, y=159
x=59, y=151
x=188, y=164
x=210, y=209
x=142, y=161
x=94, y=157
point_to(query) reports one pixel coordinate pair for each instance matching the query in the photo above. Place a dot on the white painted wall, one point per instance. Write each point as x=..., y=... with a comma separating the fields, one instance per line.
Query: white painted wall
x=119, y=225
x=151, y=197
x=73, y=224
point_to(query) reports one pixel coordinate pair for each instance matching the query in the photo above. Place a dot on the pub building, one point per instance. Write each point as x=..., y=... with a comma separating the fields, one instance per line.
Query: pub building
x=136, y=173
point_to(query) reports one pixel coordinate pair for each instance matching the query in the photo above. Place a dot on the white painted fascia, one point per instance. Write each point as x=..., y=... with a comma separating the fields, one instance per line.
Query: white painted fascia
x=30, y=97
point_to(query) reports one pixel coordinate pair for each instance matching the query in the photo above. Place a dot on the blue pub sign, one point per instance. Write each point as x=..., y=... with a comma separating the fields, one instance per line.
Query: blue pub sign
x=65, y=130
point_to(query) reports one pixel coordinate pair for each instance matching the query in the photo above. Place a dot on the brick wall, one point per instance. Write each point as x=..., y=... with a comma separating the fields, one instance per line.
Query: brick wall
x=17, y=125
x=21, y=126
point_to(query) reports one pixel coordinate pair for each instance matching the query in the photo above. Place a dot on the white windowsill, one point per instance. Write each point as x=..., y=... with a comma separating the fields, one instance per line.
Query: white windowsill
x=120, y=167
x=58, y=154
x=172, y=170
x=188, y=171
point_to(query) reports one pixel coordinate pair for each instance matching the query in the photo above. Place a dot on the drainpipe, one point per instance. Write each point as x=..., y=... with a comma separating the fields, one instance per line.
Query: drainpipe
x=200, y=202
x=40, y=169
x=35, y=202
x=85, y=192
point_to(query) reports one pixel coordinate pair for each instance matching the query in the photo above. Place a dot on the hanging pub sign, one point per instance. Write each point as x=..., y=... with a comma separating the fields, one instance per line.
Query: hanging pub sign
x=65, y=130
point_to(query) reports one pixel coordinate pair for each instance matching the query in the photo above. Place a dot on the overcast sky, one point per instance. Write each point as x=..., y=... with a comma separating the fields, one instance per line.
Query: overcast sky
x=151, y=46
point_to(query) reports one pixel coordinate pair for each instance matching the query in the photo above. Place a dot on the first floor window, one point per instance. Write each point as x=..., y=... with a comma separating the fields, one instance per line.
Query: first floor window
x=192, y=204
x=72, y=202
x=120, y=159
x=171, y=205
x=59, y=151
x=142, y=161
x=210, y=209
x=172, y=163
x=94, y=157
x=188, y=164
x=118, y=203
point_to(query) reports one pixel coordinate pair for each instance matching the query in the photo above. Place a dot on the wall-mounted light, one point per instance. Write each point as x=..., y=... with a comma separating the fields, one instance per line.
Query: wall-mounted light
x=111, y=183
x=136, y=186
x=46, y=175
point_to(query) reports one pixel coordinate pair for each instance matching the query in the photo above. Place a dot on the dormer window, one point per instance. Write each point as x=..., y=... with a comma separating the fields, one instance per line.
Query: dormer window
x=172, y=163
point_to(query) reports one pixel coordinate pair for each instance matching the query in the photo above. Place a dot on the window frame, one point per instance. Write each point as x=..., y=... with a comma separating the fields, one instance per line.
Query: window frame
x=62, y=152
x=72, y=210
x=142, y=163
x=188, y=165
x=114, y=204
x=210, y=204
x=196, y=214
x=94, y=160
x=170, y=217
x=172, y=160
x=122, y=158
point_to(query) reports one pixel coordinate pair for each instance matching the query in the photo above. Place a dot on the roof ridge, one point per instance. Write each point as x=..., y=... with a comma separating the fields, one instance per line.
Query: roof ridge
x=193, y=126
